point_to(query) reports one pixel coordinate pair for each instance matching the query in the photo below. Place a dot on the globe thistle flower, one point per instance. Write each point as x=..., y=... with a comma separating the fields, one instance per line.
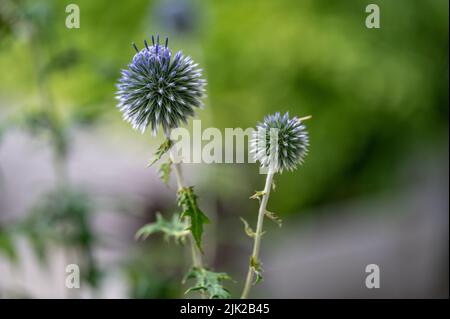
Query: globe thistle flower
x=280, y=142
x=157, y=90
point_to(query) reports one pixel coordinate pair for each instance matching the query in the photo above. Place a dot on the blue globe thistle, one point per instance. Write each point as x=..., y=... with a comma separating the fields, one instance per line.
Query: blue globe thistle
x=280, y=142
x=157, y=90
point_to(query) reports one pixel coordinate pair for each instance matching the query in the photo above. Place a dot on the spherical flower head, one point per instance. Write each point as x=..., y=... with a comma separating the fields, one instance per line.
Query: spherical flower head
x=159, y=90
x=280, y=142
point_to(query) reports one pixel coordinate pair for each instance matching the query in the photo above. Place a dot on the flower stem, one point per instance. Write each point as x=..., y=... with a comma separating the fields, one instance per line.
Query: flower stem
x=258, y=234
x=196, y=257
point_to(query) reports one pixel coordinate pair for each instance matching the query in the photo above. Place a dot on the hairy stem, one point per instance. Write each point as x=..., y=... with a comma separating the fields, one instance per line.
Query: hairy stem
x=196, y=257
x=258, y=234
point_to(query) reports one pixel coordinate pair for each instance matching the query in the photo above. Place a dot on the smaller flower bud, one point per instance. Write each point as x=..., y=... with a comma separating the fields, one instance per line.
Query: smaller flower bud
x=280, y=142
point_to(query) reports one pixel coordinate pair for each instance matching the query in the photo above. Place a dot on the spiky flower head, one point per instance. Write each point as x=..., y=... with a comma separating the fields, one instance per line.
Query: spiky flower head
x=280, y=142
x=159, y=90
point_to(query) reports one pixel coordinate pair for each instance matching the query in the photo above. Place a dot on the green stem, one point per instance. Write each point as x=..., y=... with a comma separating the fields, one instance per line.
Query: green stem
x=258, y=234
x=196, y=257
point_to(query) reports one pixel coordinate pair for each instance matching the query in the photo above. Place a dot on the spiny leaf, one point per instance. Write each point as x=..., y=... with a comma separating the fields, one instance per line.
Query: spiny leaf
x=274, y=217
x=164, y=171
x=175, y=228
x=187, y=200
x=258, y=195
x=255, y=265
x=208, y=282
x=162, y=149
x=248, y=230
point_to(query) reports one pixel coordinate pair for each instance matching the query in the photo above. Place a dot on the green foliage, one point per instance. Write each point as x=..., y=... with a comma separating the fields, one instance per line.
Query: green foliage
x=369, y=92
x=256, y=267
x=162, y=149
x=187, y=200
x=63, y=213
x=7, y=246
x=208, y=283
x=146, y=284
x=176, y=228
x=63, y=217
x=148, y=277
x=164, y=171
x=45, y=121
x=63, y=60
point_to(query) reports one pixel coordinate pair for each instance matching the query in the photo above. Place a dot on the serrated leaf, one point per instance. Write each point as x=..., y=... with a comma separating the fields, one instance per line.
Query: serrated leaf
x=256, y=267
x=258, y=195
x=187, y=200
x=162, y=149
x=164, y=171
x=175, y=228
x=274, y=217
x=248, y=230
x=208, y=282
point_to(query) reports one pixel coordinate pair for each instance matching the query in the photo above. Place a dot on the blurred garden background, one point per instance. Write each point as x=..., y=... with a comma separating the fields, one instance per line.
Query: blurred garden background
x=74, y=186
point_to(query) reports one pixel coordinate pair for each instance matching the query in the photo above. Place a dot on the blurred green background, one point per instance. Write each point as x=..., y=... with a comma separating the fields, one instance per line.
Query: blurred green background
x=378, y=98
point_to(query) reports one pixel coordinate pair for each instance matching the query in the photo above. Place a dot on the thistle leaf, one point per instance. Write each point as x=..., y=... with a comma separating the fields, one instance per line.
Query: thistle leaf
x=248, y=230
x=208, y=282
x=255, y=265
x=175, y=228
x=162, y=149
x=164, y=171
x=274, y=217
x=187, y=200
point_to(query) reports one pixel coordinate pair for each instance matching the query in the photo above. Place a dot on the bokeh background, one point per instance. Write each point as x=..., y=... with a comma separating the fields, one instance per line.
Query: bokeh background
x=74, y=186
